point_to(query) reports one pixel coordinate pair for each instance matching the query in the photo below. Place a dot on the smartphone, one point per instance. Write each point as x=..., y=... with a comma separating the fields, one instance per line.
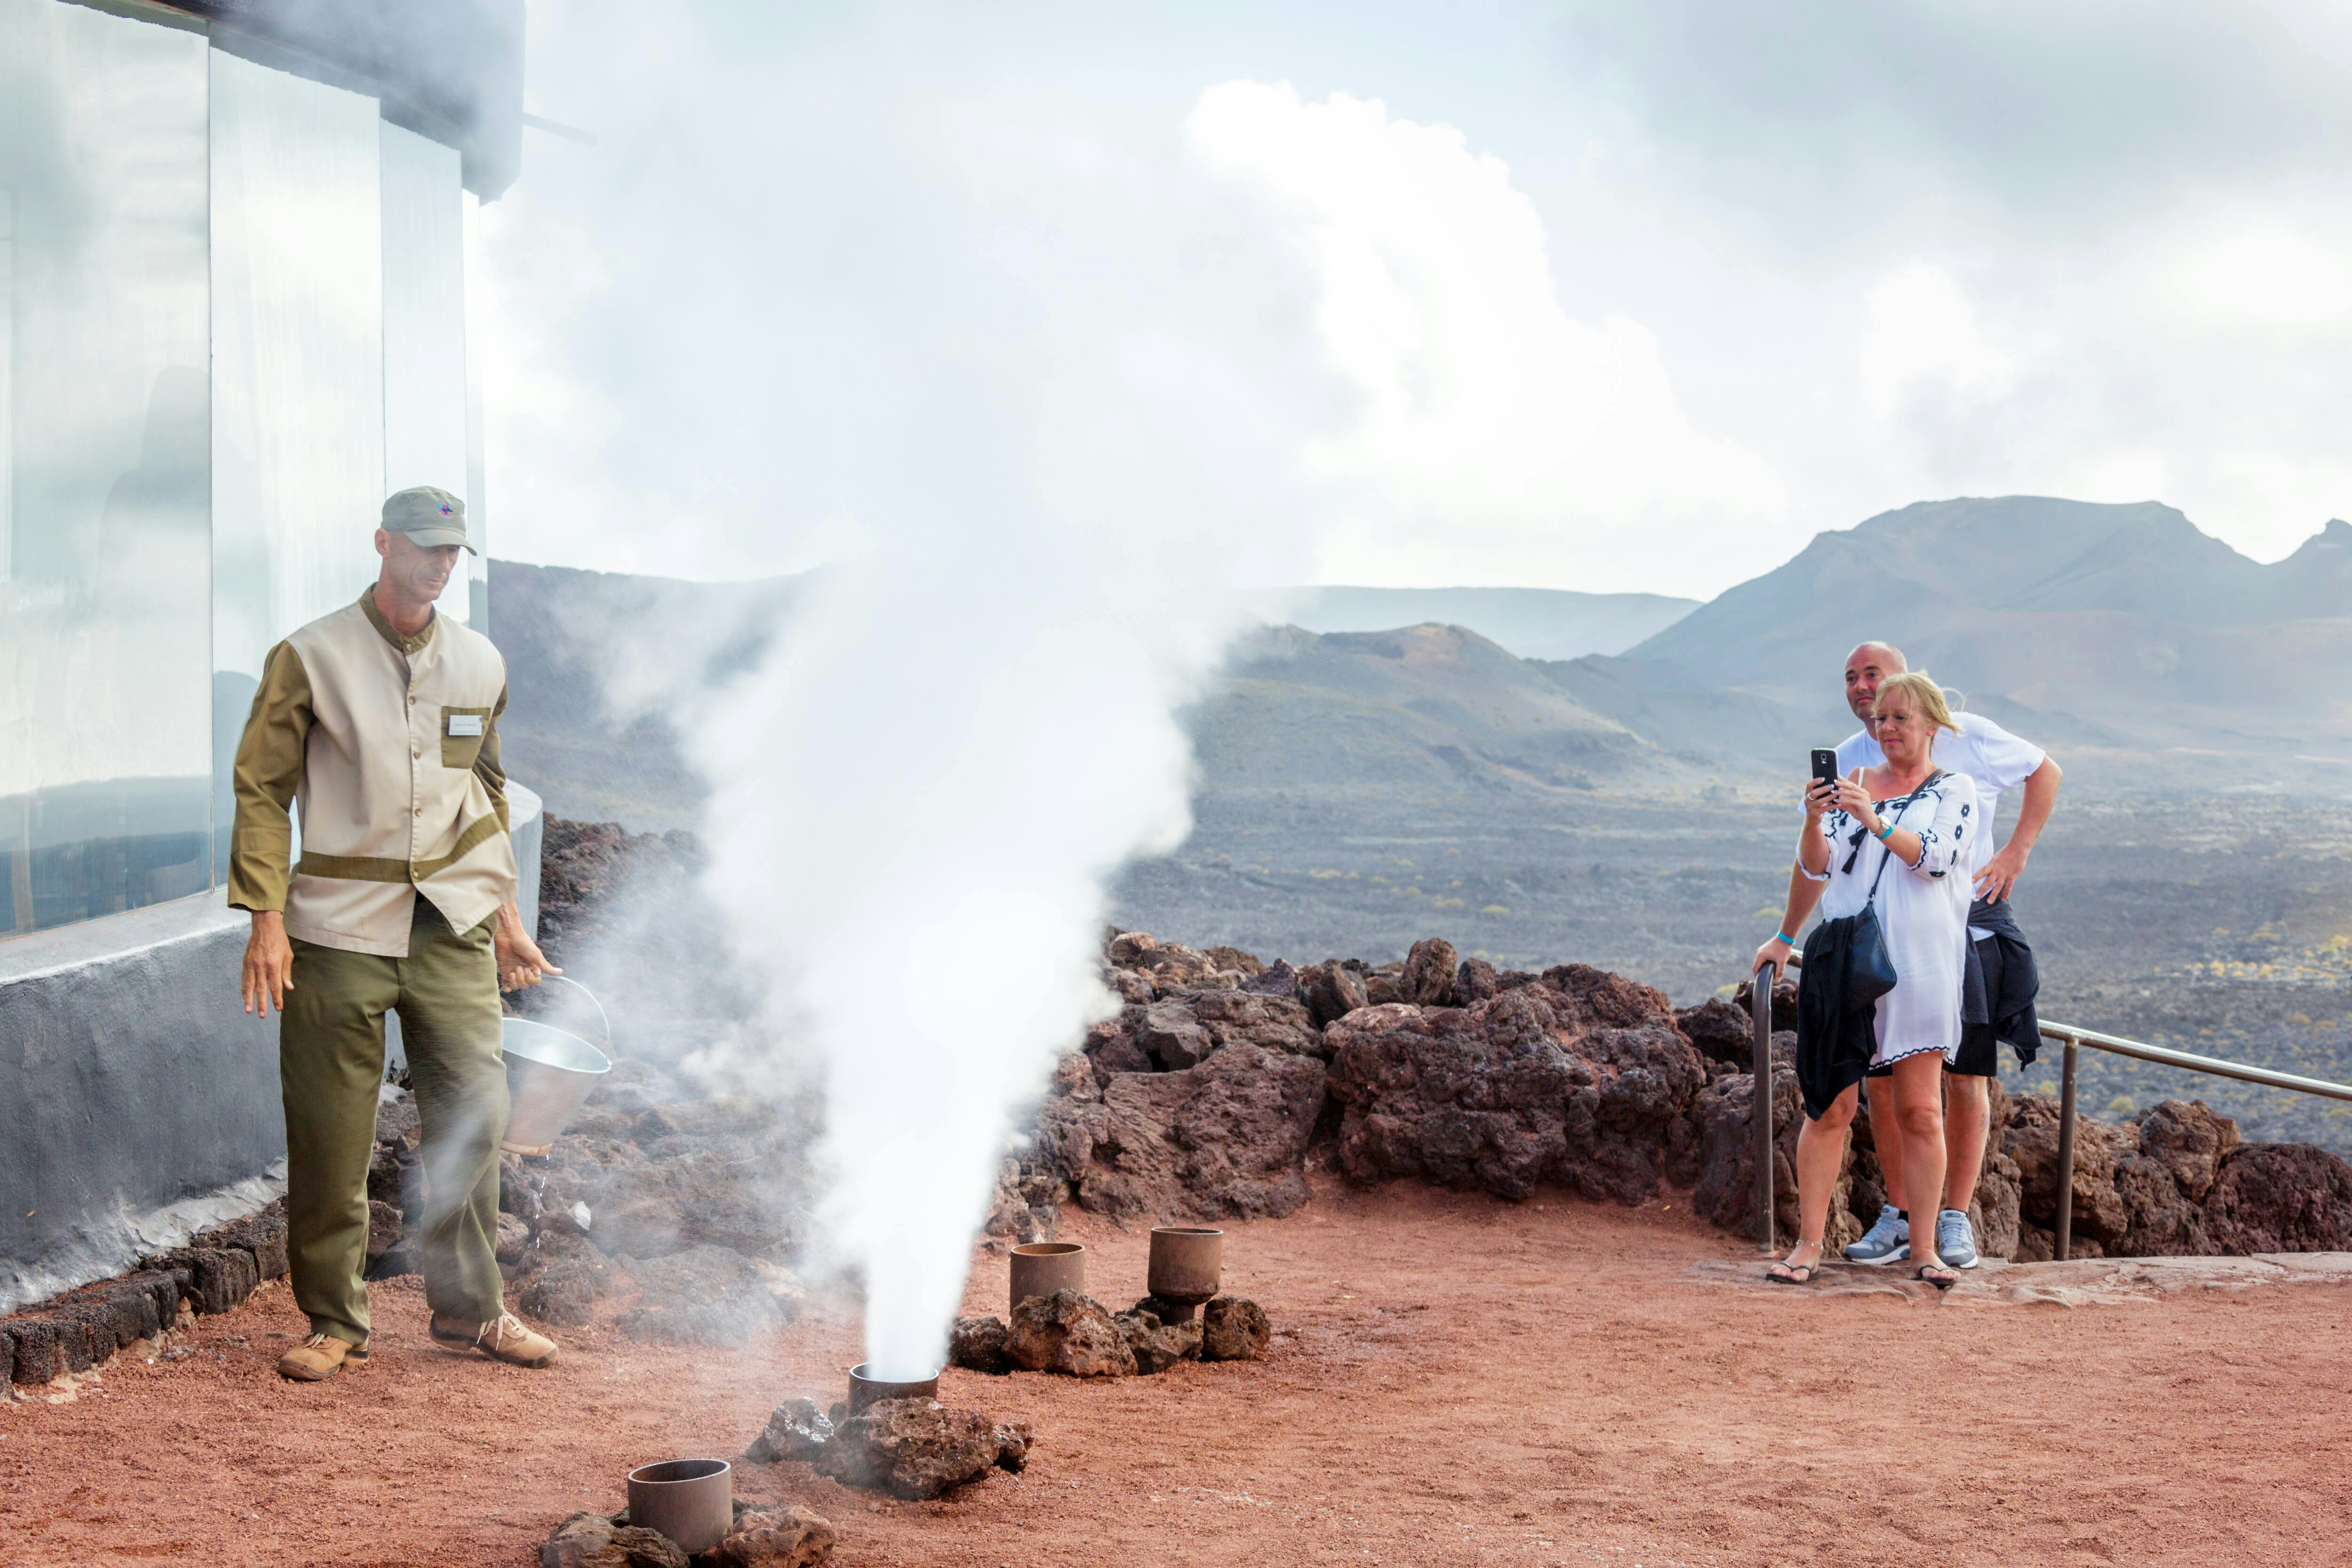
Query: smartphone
x=1825, y=768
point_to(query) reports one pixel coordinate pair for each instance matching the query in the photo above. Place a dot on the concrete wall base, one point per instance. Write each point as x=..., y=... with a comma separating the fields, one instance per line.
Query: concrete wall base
x=139, y=1103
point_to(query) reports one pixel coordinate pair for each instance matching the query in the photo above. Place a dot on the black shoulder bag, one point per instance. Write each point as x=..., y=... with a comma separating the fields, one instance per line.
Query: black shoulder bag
x=1847, y=969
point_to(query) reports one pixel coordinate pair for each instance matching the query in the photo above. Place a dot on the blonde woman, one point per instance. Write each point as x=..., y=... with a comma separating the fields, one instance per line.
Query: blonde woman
x=1895, y=841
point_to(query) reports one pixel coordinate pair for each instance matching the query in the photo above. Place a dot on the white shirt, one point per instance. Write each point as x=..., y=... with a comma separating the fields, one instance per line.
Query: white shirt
x=1992, y=757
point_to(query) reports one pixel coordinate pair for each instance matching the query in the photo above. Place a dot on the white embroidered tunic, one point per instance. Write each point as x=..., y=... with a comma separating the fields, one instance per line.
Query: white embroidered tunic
x=1923, y=910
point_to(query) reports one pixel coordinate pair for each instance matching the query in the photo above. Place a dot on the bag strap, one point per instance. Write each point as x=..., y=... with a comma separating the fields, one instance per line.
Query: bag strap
x=1898, y=808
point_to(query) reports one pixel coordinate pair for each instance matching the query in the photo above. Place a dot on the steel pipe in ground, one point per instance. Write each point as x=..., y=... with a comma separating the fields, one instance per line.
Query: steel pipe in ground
x=1761, y=1117
x=2062, y=1232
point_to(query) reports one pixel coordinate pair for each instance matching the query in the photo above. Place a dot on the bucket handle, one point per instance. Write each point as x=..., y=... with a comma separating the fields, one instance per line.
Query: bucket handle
x=600, y=1014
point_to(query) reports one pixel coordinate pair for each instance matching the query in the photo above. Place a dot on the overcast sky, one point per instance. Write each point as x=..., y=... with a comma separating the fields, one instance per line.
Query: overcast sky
x=1627, y=296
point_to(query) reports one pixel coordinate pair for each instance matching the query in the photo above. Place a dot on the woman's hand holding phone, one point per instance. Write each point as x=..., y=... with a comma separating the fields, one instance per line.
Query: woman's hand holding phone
x=1850, y=797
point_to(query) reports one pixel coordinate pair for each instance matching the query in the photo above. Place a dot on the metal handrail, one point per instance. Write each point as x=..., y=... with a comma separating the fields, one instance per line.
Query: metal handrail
x=2067, y=1035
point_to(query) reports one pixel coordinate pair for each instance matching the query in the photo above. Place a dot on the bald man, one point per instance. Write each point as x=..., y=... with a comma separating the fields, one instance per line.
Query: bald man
x=1999, y=962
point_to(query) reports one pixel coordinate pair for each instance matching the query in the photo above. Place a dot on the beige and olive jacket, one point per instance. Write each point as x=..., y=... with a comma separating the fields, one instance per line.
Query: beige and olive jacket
x=391, y=745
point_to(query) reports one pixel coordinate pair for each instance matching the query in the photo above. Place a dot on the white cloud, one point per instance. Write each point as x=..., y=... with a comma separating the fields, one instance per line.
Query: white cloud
x=1496, y=438
x=2262, y=276
x=1923, y=340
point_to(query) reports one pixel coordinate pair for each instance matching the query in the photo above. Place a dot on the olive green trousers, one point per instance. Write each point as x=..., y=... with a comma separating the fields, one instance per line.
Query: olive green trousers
x=331, y=1065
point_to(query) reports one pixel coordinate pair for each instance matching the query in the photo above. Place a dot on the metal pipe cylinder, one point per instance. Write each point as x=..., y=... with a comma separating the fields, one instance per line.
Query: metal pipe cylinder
x=1042, y=1267
x=1761, y=1117
x=864, y=1390
x=2063, y=1242
x=692, y=1501
x=1187, y=1263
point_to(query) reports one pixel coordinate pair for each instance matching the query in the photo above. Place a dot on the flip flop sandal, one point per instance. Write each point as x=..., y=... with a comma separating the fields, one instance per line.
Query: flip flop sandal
x=1792, y=1273
x=1934, y=1274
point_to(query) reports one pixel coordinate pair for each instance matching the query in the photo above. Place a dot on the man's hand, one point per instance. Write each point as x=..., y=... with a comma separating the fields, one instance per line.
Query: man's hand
x=1774, y=952
x=269, y=964
x=2000, y=873
x=520, y=963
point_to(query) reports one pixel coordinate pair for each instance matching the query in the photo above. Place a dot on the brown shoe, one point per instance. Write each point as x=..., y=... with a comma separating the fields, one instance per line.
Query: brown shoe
x=505, y=1340
x=318, y=1358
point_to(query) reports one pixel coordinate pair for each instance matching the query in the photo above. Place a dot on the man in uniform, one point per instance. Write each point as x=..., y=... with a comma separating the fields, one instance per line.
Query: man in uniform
x=381, y=719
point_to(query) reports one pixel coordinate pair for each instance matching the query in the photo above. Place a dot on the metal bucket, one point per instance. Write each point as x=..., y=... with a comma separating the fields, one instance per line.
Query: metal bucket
x=692, y=1501
x=550, y=1071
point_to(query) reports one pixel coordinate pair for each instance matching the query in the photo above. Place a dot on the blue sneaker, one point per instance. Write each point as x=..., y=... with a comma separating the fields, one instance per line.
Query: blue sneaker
x=1955, y=1239
x=1889, y=1240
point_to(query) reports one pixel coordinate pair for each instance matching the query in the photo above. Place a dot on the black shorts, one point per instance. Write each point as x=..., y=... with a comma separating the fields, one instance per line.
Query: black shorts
x=1979, y=1054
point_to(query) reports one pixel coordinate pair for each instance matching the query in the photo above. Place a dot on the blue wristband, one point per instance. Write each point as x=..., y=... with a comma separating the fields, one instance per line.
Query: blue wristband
x=1784, y=936
x=1885, y=833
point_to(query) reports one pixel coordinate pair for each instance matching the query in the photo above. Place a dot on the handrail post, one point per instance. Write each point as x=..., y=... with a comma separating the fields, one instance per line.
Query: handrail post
x=1760, y=1008
x=2063, y=1240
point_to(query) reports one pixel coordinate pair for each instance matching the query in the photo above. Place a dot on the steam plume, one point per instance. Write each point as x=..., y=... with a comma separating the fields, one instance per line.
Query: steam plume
x=918, y=800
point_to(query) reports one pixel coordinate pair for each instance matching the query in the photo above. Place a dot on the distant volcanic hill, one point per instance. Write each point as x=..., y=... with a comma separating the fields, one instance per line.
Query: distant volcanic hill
x=2124, y=617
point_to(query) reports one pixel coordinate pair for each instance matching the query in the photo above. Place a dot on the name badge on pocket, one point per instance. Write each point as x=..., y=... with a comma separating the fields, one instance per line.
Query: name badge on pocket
x=465, y=725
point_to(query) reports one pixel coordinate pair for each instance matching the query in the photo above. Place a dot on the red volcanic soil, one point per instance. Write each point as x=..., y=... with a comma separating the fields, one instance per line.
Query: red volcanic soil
x=1452, y=1381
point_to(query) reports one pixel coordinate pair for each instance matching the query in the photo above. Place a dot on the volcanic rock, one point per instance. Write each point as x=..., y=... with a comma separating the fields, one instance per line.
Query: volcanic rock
x=39, y=1356
x=1784, y=1002
x=778, y=1535
x=1276, y=979
x=1158, y=1346
x=2189, y=1140
x=796, y=1429
x=561, y=1277
x=713, y=1189
x=2279, y=1197
x=633, y=1087
x=593, y=1541
x=1476, y=981
x=1014, y=1441
x=1244, y=1018
x=1070, y=1333
x=2162, y=1222
x=218, y=1278
x=1169, y=1033
x=1233, y=959
x=1581, y=1088
x=912, y=1448
x=398, y=1124
x=1724, y=1034
x=1130, y=950
x=1724, y=1193
x=1233, y=1328
x=1993, y=1214
x=1330, y=991
x=1428, y=978
x=386, y=1255
x=513, y=1236
x=977, y=1344
x=1223, y=1140
x=702, y=1296
x=1111, y=1049
x=261, y=1232
x=2031, y=1138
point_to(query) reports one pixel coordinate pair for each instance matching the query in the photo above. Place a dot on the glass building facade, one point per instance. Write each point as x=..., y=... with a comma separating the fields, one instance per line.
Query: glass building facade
x=232, y=299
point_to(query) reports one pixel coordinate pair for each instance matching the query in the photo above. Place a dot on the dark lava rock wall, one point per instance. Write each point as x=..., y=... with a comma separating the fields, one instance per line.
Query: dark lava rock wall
x=1221, y=1074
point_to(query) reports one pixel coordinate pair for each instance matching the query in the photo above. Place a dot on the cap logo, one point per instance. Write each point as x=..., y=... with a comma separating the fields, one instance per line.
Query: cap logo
x=445, y=511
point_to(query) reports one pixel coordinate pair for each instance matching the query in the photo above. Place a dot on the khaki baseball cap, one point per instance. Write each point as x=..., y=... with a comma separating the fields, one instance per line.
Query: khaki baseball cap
x=428, y=515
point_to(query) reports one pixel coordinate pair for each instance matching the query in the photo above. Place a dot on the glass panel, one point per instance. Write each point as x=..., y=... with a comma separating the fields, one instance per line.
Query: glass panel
x=298, y=369
x=478, y=514
x=425, y=326
x=103, y=408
